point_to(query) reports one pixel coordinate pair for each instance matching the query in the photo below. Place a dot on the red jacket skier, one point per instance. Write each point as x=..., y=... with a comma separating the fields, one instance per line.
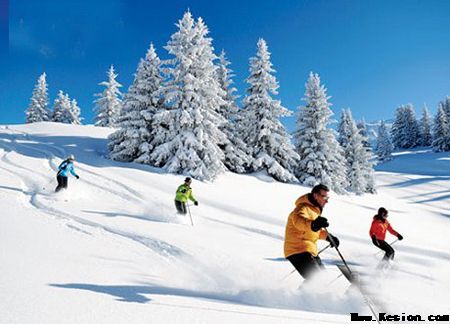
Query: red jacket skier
x=377, y=232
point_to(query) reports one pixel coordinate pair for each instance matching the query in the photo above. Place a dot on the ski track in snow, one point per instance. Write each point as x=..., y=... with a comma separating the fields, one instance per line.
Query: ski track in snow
x=31, y=188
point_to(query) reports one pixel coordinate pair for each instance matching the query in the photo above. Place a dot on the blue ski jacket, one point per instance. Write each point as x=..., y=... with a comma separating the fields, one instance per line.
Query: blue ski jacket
x=65, y=167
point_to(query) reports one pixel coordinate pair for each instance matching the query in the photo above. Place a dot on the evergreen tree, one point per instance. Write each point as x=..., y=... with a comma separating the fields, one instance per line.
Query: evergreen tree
x=321, y=157
x=38, y=109
x=192, y=96
x=441, y=131
x=74, y=112
x=109, y=104
x=425, y=128
x=362, y=126
x=384, y=145
x=446, y=106
x=61, y=109
x=405, y=129
x=360, y=172
x=344, y=128
x=235, y=150
x=263, y=132
x=136, y=134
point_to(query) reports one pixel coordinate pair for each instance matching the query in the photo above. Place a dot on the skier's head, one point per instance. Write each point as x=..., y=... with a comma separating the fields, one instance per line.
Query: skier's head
x=382, y=213
x=188, y=180
x=71, y=157
x=320, y=194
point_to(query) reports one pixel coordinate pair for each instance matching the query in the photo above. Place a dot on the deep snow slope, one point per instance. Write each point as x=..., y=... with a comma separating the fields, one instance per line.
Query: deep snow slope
x=112, y=250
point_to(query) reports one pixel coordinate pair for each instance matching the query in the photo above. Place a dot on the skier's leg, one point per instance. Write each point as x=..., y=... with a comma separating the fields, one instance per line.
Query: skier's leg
x=389, y=251
x=305, y=264
x=181, y=207
x=60, y=183
x=65, y=181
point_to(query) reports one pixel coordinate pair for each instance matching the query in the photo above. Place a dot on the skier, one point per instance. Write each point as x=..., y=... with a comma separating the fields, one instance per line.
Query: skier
x=184, y=192
x=304, y=227
x=377, y=232
x=64, y=168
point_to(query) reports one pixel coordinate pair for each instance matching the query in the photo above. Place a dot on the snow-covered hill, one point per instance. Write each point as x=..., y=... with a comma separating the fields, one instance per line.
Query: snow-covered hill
x=112, y=250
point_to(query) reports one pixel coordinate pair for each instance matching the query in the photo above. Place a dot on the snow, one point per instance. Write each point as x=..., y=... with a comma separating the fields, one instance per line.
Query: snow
x=112, y=250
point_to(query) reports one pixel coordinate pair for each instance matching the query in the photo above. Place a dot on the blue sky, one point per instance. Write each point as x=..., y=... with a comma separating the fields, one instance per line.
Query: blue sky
x=371, y=55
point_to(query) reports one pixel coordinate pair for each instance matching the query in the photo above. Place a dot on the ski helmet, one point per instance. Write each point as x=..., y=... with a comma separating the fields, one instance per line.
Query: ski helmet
x=71, y=157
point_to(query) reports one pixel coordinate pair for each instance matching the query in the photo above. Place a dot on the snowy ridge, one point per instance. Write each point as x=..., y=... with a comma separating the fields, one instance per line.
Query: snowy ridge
x=112, y=249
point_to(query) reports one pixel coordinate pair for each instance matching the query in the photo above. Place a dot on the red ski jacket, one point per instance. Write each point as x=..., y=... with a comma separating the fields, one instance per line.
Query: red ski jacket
x=379, y=228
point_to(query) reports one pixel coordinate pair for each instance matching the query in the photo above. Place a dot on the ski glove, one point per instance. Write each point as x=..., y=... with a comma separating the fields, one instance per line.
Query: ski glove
x=335, y=240
x=375, y=241
x=196, y=203
x=318, y=223
x=77, y=176
x=400, y=237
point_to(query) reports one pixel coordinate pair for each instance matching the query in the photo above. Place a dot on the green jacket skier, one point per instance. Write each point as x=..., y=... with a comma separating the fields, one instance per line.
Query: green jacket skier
x=184, y=192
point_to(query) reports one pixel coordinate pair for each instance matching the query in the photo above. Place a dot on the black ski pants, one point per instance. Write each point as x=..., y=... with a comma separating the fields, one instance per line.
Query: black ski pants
x=389, y=251
x=306, y=264
x=181, y=207
x=62, y=183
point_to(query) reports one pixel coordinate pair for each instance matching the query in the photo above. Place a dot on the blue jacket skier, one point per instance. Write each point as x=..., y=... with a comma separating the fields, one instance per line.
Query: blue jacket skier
x=64, y=169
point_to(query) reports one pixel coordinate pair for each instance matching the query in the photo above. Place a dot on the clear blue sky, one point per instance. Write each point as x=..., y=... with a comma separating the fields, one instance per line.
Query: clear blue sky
x=371, y=55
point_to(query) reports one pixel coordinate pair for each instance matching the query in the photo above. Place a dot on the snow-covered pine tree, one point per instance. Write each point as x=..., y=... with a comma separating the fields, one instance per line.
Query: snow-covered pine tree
x=344, y=128
x=135, y=136
x=362, y=126
x=74, y=113
x=61, y=109
x=263, y=132
x=441, y=131
x=109, y=103
x=321, y=156
x=192, y=96
x=235, y=150
x=38, y=109
x=425, y=128
x=405, y=129
x=446, y=106
x=384, y=145
x=360, y=173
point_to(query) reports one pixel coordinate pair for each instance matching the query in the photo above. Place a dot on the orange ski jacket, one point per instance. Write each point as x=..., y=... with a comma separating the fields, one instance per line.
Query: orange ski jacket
x=379, y=228
x=299, y=237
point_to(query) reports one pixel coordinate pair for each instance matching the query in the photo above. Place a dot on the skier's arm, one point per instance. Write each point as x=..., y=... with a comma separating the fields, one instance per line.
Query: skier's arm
x=191, y=196
x=391, y=230
x=71, y=169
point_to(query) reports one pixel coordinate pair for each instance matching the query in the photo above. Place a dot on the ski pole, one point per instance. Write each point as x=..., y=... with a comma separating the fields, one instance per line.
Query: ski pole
x=285, y=277
x=339, y=252
x=366, y=300
x=190, y=214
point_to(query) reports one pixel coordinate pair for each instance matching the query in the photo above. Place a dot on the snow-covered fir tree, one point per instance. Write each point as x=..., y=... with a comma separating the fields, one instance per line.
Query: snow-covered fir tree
x=405, y=129
x=235, y=150
x=360, y=174
x=425, y=128
x=65, y=110
x=135, y=137
x=192, y=96
x=61, y=108
x=109, y=103
x=74, y=113
x=344, y=128
x=263, y=132
x=38, y=109
x=441, y=131
x=446, y=106
x=384, y=145
x=321, y=156
x=362, y=126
